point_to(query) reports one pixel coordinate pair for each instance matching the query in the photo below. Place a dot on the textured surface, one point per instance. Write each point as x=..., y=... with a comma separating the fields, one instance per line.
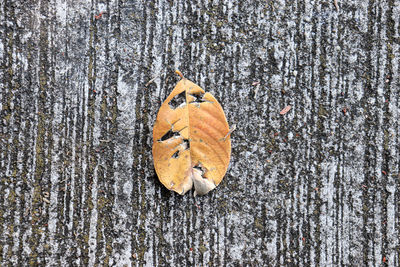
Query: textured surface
x=318, y=185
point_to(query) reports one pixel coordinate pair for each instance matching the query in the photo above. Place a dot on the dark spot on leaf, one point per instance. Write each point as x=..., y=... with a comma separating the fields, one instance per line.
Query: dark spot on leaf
x=178, y=100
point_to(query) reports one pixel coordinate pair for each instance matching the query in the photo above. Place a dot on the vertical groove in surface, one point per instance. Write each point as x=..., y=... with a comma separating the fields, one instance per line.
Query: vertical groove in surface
x=40, y=181
x=316, y=186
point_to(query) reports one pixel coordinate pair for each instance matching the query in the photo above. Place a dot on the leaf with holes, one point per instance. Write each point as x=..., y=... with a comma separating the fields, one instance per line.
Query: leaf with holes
x=191, y=140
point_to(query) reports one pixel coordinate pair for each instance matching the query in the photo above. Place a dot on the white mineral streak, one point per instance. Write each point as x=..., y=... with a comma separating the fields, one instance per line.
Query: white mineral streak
x=393, y=169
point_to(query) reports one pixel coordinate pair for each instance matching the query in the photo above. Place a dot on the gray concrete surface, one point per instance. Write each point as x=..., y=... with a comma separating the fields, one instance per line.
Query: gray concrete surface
x=317, y=186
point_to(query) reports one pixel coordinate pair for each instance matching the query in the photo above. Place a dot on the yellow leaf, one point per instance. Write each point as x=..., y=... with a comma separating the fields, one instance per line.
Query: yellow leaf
x=191, y=140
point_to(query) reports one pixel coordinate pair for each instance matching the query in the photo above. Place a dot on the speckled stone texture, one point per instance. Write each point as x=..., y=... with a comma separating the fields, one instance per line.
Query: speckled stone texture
x=318, y=185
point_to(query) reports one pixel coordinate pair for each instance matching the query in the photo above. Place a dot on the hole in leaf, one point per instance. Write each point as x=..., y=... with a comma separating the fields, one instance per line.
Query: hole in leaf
x=168, y=135
x=176, y=154
x=178, y=100
x=186, y=144
x=198, y=98
x=200, y=168
x=197, y=167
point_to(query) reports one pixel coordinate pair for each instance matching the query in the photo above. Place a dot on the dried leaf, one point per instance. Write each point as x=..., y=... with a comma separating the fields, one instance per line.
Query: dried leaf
x=285, y=110
x=191, y=144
